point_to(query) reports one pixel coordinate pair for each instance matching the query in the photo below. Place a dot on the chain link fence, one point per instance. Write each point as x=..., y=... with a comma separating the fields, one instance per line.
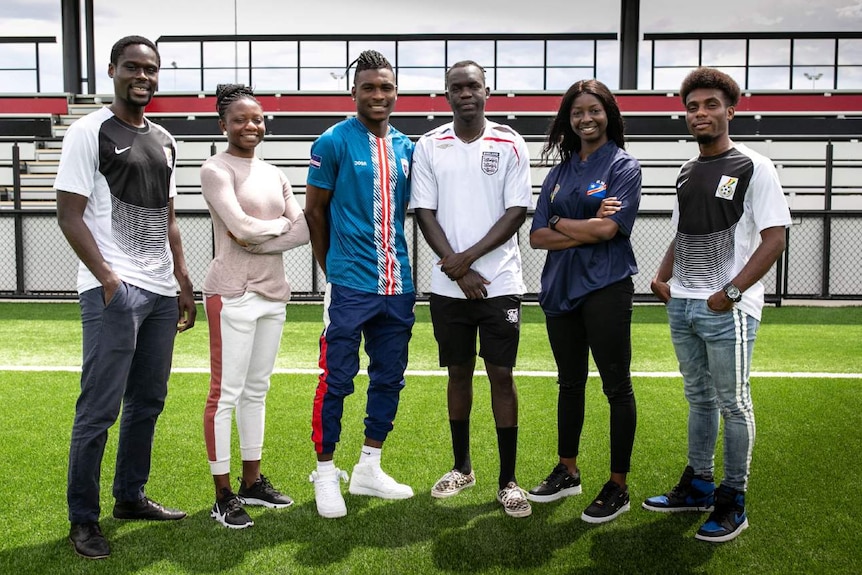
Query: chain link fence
x=821, y=261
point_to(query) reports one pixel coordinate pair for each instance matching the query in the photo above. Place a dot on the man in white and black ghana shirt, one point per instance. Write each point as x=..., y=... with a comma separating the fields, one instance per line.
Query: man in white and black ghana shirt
x=730, y=214
x=115, y=189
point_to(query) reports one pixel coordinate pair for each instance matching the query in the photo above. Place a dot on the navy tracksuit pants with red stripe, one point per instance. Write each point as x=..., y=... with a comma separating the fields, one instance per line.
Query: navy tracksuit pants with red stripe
x=386, y=323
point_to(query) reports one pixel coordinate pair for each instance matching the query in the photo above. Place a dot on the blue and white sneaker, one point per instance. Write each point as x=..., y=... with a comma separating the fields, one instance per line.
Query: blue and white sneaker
x=728, y=519
x=692, y=493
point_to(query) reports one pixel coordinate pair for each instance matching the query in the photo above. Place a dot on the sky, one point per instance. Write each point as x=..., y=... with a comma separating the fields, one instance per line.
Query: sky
x=155, y=18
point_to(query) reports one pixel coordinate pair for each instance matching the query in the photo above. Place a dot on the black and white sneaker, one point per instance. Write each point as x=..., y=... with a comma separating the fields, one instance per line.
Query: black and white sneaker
x=560, y=483
x=229, y=512
x=262, y=493
x=611, y=501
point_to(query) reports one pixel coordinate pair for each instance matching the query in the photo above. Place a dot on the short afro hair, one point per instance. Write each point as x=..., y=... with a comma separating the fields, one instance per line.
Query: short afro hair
x=710, y=78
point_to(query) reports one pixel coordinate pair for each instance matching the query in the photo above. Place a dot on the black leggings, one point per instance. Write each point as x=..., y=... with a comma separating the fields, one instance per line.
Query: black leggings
x=601, y=324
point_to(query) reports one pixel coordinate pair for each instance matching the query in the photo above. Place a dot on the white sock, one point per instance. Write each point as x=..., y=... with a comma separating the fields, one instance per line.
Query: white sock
x=326, y=466
x=370, y=455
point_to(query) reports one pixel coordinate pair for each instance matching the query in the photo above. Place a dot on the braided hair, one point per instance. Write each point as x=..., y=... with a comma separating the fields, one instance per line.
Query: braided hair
x=369, y=60
x=227, y=94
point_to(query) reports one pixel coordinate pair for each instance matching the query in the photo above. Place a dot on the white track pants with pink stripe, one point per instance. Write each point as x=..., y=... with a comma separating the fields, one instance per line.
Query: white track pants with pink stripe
x=245, y=333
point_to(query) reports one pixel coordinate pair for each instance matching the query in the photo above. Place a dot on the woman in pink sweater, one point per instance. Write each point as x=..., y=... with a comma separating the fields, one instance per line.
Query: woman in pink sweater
x=255, y=219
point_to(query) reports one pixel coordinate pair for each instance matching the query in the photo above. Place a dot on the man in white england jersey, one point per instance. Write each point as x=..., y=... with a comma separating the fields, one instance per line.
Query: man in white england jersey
x=471, y=191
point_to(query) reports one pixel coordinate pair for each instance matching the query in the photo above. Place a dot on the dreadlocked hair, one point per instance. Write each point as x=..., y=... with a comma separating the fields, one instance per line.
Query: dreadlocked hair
x=227, y=94
x=369, y=60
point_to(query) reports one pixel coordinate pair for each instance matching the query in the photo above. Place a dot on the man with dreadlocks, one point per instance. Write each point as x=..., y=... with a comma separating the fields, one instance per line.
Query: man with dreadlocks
x=356, y=201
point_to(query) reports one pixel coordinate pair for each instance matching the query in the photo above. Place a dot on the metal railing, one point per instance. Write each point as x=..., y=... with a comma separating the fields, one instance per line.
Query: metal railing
x=821, y=260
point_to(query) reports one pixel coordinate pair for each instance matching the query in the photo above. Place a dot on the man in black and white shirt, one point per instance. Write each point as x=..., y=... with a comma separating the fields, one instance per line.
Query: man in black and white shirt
x=731, y=215
x=115, y=189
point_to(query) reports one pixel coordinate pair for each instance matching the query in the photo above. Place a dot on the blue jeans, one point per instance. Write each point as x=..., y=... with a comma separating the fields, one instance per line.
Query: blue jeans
x=128, y=346
x=714, y=352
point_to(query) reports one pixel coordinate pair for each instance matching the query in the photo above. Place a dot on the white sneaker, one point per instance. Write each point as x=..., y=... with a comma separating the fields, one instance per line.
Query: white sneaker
x=327, y=492
x=371, y=480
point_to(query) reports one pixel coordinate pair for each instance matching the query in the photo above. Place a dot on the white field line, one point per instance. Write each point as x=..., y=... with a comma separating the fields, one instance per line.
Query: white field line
x=441, y=373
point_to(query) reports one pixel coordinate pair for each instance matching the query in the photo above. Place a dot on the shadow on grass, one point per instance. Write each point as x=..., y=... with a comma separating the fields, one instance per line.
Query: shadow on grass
x=436, y=536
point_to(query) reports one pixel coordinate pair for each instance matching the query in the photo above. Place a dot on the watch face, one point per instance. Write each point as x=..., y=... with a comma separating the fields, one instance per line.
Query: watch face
x=732, y=292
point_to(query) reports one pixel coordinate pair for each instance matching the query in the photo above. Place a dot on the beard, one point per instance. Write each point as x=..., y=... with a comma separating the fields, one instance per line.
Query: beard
x=705, y=139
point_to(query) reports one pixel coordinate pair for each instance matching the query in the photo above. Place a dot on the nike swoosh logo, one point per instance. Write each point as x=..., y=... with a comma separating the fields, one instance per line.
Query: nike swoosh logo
x=119, y=151
x=682, y=183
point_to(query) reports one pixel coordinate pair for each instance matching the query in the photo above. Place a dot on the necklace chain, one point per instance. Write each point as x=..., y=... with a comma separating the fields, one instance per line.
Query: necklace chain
x=476, y=137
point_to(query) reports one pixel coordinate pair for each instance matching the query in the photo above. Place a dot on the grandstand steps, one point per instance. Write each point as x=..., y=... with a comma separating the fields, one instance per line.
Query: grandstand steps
x=31, y=182
x=42, y=167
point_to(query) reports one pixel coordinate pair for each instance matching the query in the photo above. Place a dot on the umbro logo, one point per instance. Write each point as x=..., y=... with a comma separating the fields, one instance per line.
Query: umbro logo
x=119, y=151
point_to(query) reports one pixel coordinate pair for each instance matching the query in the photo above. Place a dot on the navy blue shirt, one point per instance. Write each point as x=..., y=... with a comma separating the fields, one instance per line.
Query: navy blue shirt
x=575, y=189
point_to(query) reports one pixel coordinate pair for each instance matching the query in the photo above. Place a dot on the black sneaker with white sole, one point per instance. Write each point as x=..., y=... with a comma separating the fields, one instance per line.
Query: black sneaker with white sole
x=560, y=483
x=611, y=502
x=262, y=493
x=229, y=512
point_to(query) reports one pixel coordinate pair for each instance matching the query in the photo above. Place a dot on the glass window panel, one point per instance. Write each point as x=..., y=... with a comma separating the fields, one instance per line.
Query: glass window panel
x=737, y=73
x=560, y=79
x=274, y=54
x=723, y=52
x=17, y=56
x=520, y=79
x=215, y=76
x=570, y=53
x=608, y=64
x=323, y=54
x=17, y=81
x=849, y=51
x=491, y=78
x=421, y=53
x=421, y=80
x=813, y=52
x=813, y=78
x=850, y=77
x=274, y=79
x=320, y=80
x=769, y=78
x=676, y=53
x=481, y=51
x=185, y=54
x=177, y=80
x=644, y=66
x=523, y=53
x=670, y=78
x=225, y=54
x=768, y=52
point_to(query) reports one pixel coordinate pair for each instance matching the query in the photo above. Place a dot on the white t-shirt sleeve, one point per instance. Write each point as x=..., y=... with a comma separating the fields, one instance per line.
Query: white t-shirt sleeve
x=519, y=184
x=78, y=161
x=423, y=190
x=768, y=205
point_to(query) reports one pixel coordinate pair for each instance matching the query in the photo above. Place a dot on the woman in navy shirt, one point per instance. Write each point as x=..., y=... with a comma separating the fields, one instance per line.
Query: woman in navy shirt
x=584, y=218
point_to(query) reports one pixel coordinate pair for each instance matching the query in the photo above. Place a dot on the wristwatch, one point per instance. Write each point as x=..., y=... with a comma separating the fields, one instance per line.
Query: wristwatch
x=552, y=223
x=732, y=292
